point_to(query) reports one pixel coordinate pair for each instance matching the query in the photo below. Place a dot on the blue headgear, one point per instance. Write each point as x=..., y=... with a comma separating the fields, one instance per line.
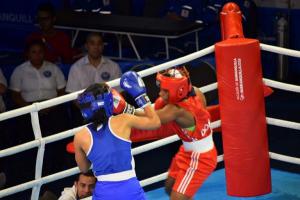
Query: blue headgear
x=104, y=100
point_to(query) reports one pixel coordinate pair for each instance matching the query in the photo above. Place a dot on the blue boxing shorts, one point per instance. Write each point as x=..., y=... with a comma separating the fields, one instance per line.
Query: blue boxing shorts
x=119, y=190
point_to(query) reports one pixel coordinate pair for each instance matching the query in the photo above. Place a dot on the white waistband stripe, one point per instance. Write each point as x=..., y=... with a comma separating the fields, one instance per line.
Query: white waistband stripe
x=120, y=176
x=199, y=146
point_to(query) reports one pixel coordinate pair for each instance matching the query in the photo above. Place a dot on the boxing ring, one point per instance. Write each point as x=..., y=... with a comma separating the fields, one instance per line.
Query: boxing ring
x=40, y=142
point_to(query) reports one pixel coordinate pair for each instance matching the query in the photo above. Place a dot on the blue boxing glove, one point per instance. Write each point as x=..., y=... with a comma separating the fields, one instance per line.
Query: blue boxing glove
x=132, y=83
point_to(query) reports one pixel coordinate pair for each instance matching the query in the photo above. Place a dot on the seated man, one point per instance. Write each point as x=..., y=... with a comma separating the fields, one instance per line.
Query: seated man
x=33, y=81
x=92, y=68
x=36, y=79
x=58, y=44
x=83, y=187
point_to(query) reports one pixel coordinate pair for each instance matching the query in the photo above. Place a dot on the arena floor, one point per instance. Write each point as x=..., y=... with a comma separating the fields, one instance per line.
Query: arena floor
x=285, y=186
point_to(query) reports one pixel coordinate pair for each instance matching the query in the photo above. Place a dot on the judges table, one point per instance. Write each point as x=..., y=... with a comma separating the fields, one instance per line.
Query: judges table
x=128, y=26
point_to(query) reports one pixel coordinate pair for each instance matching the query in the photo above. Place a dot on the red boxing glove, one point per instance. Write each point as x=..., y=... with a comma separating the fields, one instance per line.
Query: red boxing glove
x=267, y=90
x=120, y=105
x=159, y=103
x=70, y=147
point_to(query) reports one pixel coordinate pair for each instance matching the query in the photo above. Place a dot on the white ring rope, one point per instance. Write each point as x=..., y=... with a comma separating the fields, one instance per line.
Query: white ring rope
x=282, y=86
x=40, y=142
x=280, y=50
x=284, y=158
x=37, y=142
x=283, y=123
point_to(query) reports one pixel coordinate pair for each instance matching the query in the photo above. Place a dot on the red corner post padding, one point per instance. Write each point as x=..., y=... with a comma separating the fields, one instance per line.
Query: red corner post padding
x=242, y=110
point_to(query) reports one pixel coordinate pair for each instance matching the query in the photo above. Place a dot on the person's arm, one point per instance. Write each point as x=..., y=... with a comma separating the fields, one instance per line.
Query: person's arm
x=60, y=92
x=82, y=142
x=165, y=130
x=16, y=86
x=18, y=99
x=149, y=121
x=117, y=70
x=60, y=81
x=168, y=113
x=73, y=82
x=132, y=83
x=200, y=95
x=2, y=89
x=122, y=124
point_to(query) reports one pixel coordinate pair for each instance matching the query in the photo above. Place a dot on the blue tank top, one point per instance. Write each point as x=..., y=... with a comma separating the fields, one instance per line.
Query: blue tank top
x=108, y=152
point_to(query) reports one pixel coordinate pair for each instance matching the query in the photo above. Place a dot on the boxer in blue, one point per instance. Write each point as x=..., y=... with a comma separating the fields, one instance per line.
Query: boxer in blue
x=105, y=142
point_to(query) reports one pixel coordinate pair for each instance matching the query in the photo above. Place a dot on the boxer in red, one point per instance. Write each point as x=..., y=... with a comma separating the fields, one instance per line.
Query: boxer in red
x=182, y=111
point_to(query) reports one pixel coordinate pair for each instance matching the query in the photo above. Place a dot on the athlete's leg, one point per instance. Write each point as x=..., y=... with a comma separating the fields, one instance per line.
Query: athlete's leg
x=172, y=174
x=178, y=196
x=169, y=185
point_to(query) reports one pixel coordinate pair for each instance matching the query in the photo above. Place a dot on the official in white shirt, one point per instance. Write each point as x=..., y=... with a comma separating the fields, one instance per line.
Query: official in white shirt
x=36, y=79
x=33, y=81
x=93, y=68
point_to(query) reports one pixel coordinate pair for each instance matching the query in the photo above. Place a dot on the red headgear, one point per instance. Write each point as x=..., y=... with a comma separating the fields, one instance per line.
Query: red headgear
x=176, y=81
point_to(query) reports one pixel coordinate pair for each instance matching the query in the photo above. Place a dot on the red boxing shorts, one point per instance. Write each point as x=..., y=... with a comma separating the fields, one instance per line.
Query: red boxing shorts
x=190, y=169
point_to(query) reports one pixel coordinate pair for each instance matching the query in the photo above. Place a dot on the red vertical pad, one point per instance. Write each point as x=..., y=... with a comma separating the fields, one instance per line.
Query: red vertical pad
x=242, y=110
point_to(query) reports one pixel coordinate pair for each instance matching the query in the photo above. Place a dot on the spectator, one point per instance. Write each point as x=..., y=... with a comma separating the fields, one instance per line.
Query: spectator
x=92, y=68
x=58, y=43
x=33, y=81
x=83, y=187
x=36, y=79
x=3, y=86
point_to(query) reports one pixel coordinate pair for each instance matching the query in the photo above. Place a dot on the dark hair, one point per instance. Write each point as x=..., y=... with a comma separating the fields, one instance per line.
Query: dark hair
x=94, y=34
x=47, y=7
x=89, y=173
x=34, y=43
x=99, y=117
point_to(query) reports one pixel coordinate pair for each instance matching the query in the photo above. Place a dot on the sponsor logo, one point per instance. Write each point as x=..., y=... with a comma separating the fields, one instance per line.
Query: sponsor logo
x=204, y=131
x=238, y=79
x=16, y=18
x=205, y=128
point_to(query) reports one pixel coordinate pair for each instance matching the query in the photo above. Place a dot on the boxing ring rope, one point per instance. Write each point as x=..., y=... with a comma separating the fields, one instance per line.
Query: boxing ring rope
x=40, y=142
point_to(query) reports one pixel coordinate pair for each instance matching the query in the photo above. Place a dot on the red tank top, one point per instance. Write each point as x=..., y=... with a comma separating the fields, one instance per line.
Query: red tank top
x=202, y=117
